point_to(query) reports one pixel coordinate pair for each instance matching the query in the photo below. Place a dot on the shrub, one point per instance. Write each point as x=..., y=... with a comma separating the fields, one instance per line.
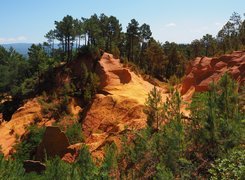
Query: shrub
x=74, y=133
x=57, y=169
x=174, y=80
x=29, y=86
x=26, y=149
x=109, y=165
x=230, y=166
x=115, y=52
x=10, y=169
x=85, y=166
x=54, y=107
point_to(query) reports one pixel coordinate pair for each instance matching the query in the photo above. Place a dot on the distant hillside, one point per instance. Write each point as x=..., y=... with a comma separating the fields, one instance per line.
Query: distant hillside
x=21, y=48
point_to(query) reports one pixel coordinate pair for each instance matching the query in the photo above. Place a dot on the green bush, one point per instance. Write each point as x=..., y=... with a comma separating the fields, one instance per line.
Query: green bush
x=10, y=169
x=29, y=86
x=74, y=133
x=109, y=165
x=54, y=107
x=85, y=166
x=26, y=149
x=57, y=169
x=230, y=166
x=116, y=52
x=174, y=80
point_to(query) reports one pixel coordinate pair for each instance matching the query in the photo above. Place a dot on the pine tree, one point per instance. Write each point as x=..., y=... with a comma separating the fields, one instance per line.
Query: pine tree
x=85, y=165
x=215, y=124
x=154, y=109
x=108, y=168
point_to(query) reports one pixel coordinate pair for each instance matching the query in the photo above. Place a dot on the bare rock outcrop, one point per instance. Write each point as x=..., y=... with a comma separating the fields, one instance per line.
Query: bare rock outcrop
x=16, y=127
x=202, y=71
x=118, y=107
x=112, y=72
x=54, y=143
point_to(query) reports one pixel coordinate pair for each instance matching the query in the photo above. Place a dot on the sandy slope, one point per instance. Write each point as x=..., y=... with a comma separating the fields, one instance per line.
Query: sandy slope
x=121, y=105
x=16, y=127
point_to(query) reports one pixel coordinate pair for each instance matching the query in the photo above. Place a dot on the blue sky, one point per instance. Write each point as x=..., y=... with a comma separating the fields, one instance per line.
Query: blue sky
x=180, y=21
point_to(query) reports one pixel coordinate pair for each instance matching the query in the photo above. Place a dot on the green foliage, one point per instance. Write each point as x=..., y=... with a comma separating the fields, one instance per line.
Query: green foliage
x=85, y=166
x=20, y=77
x=84, y=74
x=55, y=106
x=134, y=154
x=57, y=169
x=116, y=52
x=167, y=148
x=74, y=133
x=49, y=108
x=109, y=166
x=26, y=149
x=29, y=85
x=230, y=166
x=174, y=80
x=10, y=169
x=13, y=69
x=216, y=124
x=65, y=33
x=176, y=60
x=133, y=39
x=160, y=153
x=90, y=87
x=38, y=59
x=154, y=60
x=163, y=173
x=154, y=108
x=171, y=138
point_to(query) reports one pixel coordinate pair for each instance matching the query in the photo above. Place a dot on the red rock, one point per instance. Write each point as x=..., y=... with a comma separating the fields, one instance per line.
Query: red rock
x=204, y=85
x=54, y=143
x=203, y=71
x=205, y=61
x=235, y=72
x=214, y=61
x=187, y=83
x=220, y=65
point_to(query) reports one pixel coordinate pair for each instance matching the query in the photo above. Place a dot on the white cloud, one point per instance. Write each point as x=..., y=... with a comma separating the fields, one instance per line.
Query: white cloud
x=13, y=39
x=170, y=25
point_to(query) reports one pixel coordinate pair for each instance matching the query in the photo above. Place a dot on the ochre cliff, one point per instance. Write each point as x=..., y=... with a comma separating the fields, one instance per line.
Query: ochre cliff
x=203, y=71
x=118, y=106
x=15, y=128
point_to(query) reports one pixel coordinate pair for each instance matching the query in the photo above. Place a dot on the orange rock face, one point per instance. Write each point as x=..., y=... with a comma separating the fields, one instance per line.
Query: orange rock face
x=203, y=71
x=118, y=107
x=21, y=119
